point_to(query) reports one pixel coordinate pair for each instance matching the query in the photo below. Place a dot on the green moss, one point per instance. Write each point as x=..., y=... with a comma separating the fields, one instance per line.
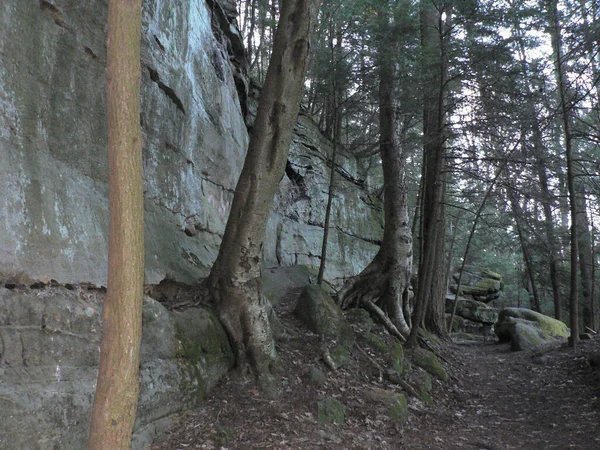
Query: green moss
x=429, y=337
x=398, y=357
x=429, y=362
x=360, y=318
x=458, y=325
x=399, y=407
x=340, y=355
x=425, y=387
x=203, y=345
x=331, y=410
x=394, y=404
x=375, y=342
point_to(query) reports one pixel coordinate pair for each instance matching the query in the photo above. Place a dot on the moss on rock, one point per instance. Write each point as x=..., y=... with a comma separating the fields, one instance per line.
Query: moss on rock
x=360, y=318
x=430, y=363
x=203, y=349
x=527, y=329
x=375, y=342
x=395, y=405
x=322, y=315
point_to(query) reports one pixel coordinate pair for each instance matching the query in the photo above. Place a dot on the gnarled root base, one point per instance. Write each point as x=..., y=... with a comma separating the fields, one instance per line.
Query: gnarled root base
x=381, y=288
x=244, y=312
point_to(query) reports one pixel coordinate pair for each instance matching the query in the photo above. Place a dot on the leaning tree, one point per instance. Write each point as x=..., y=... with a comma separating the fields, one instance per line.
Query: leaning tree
x=235, y=282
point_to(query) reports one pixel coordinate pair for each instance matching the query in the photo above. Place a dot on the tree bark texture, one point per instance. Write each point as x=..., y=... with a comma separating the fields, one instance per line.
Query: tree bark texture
x=386, y=279
x=532, y=285
x=430, y=289
x=234, y=281
x=115, y=404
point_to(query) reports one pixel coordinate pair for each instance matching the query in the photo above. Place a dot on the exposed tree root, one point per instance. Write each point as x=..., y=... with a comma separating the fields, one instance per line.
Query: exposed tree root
x=390, y=375
x=380, y=289
x=377, y=312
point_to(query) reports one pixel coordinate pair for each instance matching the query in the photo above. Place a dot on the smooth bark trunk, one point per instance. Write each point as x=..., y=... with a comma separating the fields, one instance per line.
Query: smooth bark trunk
x=115, y=403
x=234, y=282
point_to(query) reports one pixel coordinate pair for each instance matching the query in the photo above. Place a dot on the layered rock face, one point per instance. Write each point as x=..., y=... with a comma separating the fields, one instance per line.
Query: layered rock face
x=479, y=286
x=54, y=211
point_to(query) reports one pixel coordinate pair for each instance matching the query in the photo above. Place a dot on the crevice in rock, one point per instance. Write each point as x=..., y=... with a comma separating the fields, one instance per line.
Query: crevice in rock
x=88, y=51
x=162, y=47
x=169, y=92
x=362, y=238
x=175, y=294
x=225, y=188
x=225, y=29
x=293, y=175
x=55, y=14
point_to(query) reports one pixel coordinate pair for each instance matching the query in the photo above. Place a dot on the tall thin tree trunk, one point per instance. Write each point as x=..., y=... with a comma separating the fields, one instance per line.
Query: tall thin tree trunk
x=540, y=153
x=334, y=50
x=518, y=213
x=234, y=281
x=430, y=291
x=555, y=32
x=585, y=257
x=115, y=404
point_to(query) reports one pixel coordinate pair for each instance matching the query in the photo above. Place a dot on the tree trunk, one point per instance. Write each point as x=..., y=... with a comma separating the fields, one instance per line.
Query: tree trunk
x=115, y=404
x=234, y=282
x=584, y=245
x=540, y=153
x=386, y=279
x=430, y=290
x=532, y=286
x=555, y=33
x=335, y=50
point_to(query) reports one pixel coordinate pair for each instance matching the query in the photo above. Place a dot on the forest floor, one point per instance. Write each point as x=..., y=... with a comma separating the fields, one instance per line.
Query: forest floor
x=495, y=400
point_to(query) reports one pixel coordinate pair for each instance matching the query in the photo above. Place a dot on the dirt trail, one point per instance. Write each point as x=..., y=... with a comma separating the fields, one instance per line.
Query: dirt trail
x=496, y=400
x=517, y=400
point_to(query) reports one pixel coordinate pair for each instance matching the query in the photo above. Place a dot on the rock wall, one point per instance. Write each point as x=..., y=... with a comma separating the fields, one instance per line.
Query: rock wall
x=54, y=211
x=50, y=351
x=295, y=228
x=53, y=140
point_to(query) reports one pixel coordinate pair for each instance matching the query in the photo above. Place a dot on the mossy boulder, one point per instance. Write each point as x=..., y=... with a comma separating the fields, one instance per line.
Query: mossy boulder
x=204, y=349
x=423, y=383
x=392, y=404
x=480, y=283
x=527, y=329
x=330, y=411
x=340, y=356
x=427, y=361
x=317, y=310
x=472, y=310
x=361, y=319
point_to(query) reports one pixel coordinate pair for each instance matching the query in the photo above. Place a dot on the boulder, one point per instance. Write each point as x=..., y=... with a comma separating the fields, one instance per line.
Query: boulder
x=391, y=403
x=427, y=361
x=472, y=310
x=481, y=284
x=317, y=310
x=462, y=326
x=527, y=329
